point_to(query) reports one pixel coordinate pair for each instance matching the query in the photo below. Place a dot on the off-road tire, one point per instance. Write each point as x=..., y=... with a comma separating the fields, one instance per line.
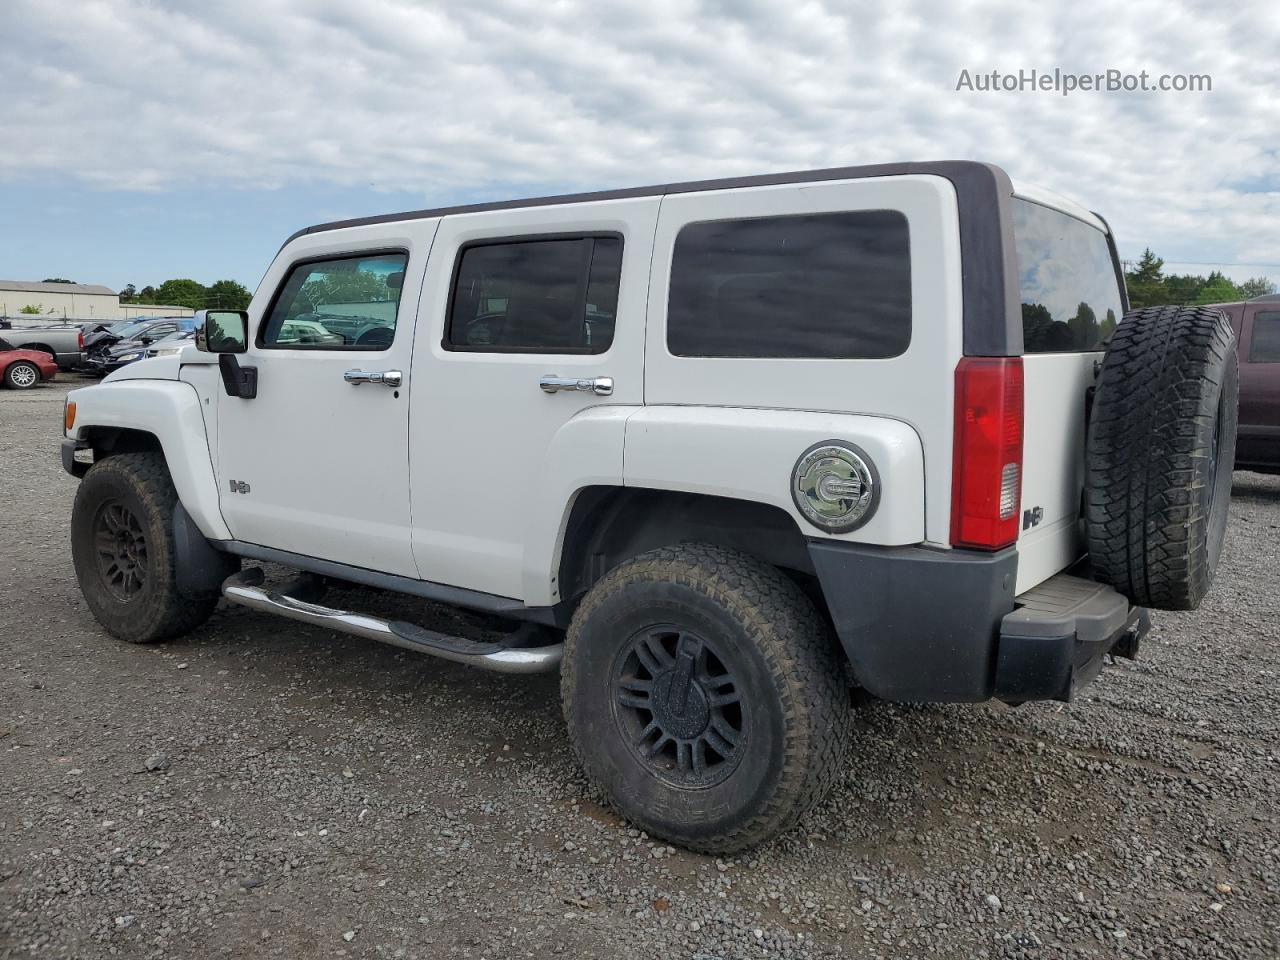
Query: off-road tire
x=22, y=375
x=1161, y=446
x=139, y=483
x=795, y=707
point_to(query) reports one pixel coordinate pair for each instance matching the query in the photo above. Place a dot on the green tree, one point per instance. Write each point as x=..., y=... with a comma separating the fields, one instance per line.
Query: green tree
x=1036, y=324
x=182, y=293
x=228, y=295
x=147, y=295
x=1256, y=287
x=30, y=308
x=1217, y=289
x=1084, y=325
x=1146, y=281
x=129, y=293
x=356, y=286
x=56, y=280
x=1108, y=324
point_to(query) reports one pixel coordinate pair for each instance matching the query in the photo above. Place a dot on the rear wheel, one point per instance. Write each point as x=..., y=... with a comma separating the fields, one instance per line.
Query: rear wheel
x=22, y=375
x=123, y=549
x=1161, y=448
x=705, y=696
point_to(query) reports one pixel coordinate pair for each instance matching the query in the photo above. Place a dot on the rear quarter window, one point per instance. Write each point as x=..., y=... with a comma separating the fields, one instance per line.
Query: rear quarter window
x=824, y=285
x=1069, y=289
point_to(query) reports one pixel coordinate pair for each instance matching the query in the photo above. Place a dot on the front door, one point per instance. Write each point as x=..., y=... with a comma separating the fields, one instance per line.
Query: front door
x=317, y=463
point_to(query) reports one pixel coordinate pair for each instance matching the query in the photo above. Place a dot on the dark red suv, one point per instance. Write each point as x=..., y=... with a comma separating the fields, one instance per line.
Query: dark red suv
x=1257, y=326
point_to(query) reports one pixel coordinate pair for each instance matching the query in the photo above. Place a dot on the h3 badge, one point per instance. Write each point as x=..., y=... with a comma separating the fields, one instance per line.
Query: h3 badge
x=238, y=486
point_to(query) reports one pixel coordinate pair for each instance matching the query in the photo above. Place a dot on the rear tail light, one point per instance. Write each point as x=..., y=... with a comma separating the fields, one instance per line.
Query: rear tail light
x=80, y=340
x=986, y=476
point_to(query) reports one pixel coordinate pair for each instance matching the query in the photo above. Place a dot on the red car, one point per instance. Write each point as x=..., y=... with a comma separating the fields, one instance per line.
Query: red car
x=1257, y=326
x=23, y=369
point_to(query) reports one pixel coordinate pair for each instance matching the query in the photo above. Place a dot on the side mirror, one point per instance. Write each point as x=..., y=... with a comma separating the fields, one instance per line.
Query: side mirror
x=222, y=331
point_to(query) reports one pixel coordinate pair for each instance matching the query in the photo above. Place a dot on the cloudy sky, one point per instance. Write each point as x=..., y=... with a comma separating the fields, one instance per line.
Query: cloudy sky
x=149, y=140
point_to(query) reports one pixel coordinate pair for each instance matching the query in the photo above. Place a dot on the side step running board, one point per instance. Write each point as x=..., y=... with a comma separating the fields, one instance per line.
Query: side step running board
x=245, y=589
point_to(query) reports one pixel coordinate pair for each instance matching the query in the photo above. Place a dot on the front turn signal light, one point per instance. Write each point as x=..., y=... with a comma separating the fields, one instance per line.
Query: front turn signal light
x=69, y=415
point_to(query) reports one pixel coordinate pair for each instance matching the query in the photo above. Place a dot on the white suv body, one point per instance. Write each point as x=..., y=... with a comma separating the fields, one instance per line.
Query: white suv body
x=458, y=444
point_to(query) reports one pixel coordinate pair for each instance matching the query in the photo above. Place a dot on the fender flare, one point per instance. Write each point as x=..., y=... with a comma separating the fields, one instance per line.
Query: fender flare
x=171, y=411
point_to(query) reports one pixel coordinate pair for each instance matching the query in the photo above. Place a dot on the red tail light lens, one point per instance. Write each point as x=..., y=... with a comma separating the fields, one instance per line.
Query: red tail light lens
x=986, y=475
x=80, y=340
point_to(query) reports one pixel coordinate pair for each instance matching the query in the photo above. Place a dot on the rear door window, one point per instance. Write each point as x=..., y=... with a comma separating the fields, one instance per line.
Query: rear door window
x=822, y=285
x=536, y=295
x=1070, y=293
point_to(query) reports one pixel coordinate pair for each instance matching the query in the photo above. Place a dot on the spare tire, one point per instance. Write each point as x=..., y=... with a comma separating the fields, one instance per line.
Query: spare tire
x=1160, y=450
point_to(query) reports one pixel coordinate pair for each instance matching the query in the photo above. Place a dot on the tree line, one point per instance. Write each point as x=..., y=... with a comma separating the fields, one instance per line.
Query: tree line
x=183, y=292
x=1149, y=286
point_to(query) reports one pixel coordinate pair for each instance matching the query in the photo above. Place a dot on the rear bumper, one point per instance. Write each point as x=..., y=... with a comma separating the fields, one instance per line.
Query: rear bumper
x=1055, y=641
x=944, y=625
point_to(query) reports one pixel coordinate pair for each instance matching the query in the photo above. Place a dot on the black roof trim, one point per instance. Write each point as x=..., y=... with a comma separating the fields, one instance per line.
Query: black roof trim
x=992, y=314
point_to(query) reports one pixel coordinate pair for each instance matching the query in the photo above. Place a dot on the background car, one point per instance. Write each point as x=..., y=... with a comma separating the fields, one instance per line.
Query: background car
x=119, y=347
x=24, y=369
x=61, y=341
x=173, y=343
x=1257, y=326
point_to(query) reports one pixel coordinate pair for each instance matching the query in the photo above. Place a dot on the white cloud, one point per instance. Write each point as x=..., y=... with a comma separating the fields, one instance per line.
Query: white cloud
x=516, y=96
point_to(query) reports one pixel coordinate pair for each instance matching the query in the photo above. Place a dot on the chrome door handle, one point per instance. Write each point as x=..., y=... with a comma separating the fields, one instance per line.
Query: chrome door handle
x=388, y=378
x=600, y=386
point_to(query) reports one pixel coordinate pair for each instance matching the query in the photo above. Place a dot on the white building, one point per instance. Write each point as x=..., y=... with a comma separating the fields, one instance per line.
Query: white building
x=74, y=301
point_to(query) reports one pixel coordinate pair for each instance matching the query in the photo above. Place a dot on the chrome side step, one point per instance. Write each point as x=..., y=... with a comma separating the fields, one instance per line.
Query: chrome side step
x=245, y=589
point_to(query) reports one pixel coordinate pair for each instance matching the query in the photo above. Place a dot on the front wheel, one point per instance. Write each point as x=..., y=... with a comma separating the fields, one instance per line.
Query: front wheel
x=705, y=696
x=22, y=375
x=123, y=549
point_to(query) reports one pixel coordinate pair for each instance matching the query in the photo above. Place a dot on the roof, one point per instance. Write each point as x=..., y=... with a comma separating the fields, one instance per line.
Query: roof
x=84, y=289
x=955, y=170
x=1269, y=298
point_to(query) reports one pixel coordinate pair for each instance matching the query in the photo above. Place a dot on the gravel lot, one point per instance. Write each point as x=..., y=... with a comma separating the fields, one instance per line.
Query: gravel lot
x=266, y=789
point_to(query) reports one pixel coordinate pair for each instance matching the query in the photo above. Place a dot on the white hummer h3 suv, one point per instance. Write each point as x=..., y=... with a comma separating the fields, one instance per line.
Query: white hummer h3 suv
x=719, y=452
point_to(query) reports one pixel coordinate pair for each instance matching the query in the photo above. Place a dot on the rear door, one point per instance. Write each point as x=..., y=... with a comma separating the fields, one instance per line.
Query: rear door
x=512, y=297
x=1071, y=303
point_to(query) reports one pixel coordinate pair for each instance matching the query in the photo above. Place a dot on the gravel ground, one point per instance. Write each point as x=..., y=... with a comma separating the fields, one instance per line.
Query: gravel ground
x=266, y=789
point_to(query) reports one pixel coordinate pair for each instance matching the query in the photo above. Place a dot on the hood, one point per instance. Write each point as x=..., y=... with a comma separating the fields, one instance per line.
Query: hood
x=152, y=368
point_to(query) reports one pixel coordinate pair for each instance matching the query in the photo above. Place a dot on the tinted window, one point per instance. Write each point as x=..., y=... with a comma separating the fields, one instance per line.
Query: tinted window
x=1264, y=344
x=536, y=296
x=347, y=303
x=832, y=285
x=1070, y=295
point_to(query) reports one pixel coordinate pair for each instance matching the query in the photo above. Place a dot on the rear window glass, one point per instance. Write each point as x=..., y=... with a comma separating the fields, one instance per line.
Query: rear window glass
x=1264, y=345
x=825, y=285
x=536, y=296
x=1070, y=295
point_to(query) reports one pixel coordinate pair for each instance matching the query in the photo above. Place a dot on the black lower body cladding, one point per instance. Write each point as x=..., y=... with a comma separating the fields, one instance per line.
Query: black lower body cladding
x=1162, y=439
x=918, y=624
